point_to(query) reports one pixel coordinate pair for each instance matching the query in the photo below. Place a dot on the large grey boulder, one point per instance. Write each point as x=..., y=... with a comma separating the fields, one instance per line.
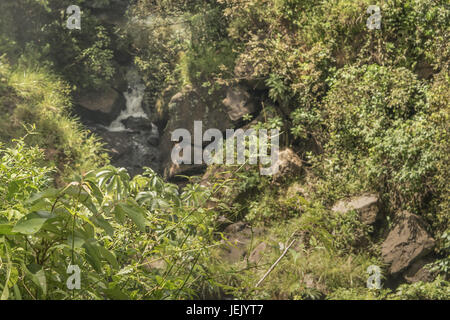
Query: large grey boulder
x=185, y=107
x=407, y=242
x=365, y=205
x=101, y=106
x=239, y=238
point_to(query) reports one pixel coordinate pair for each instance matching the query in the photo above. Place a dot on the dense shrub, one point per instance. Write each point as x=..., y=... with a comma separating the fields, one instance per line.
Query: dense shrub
x=386, y=132
x=112, y=227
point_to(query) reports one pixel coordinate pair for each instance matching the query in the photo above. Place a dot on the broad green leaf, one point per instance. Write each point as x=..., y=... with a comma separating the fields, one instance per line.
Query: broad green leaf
x=32, y=223
x=101, y=222
x=95, y=191
x=5, y=293
x=6, y=229
x=119, y=214
x=49, y=193
x=17, y=294
x=93, y=256
x=37, y=275
x=77, y=242
x=135, y=213
x=116, y=294
x=109, y=256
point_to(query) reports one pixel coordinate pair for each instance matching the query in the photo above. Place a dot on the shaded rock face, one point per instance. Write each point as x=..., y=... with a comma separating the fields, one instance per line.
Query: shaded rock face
x=239, y=236
x=418, y=272
x=161, y=107
x=238, y=103
x=100, y=107
x=185, y=107
x=365, y=205
x=173, y=170
x=139, y=124
x=132, y=150
x=289, y=164
x=406, y=243
x=257, y=253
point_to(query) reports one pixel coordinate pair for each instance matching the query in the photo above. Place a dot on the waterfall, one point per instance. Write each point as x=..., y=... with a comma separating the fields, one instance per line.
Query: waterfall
x=133, y=96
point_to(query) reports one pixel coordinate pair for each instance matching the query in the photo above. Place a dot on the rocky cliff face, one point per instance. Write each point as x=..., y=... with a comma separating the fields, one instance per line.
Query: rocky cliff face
x=132, y=138
x=224, y=109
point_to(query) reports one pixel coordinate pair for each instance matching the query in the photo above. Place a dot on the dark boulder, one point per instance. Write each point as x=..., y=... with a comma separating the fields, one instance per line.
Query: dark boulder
x=407, y=242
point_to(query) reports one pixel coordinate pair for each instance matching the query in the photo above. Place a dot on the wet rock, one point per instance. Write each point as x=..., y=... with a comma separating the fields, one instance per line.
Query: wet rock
x=145, y=127
x=407, y=242
x=138, y=124
x=153, y=139
x=365, y=205
x=131, y=150
x=99, y=106
x=161, y=110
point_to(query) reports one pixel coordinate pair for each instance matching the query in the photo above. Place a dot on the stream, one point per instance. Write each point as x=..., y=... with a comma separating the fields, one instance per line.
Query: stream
x=132, y=139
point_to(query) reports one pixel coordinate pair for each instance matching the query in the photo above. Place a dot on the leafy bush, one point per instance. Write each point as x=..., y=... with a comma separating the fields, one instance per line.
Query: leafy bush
x=113, y=227
x=385, y=132
x=436, y=290
x=84, y=57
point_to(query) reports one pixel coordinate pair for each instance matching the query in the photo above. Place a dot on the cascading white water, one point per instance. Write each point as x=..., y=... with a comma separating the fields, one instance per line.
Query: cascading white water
x=134, y=97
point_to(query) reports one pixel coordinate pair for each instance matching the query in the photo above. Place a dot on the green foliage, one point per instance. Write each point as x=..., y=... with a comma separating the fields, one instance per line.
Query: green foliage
x=443, y=265
x=372, y=104
x=203, y=62
x=358, y=294
x=157, y=46
x=84, y=57
x=111, y=226
x=17, y=184
x=180, y=43
x=385, y=131
x=331, y=253
x=37, y=98
x=436, y=290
